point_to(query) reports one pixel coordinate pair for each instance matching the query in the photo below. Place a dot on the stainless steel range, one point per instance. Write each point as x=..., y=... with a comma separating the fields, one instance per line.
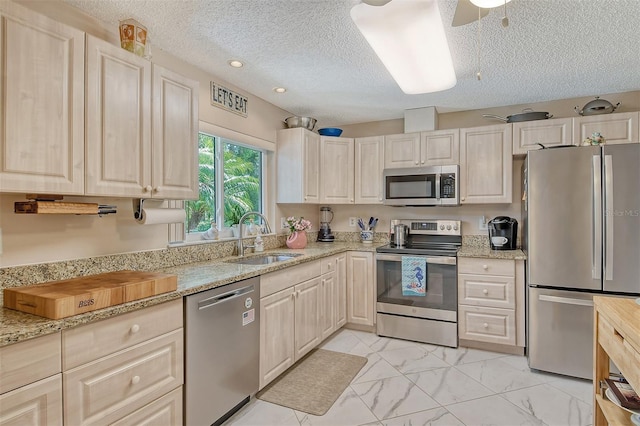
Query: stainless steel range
x=417, y=281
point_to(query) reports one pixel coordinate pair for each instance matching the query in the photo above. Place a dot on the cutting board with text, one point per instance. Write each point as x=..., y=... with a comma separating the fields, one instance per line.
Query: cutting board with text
x=61, y=299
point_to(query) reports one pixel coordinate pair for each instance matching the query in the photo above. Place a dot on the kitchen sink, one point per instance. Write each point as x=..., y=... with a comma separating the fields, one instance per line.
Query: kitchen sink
x=264, y=259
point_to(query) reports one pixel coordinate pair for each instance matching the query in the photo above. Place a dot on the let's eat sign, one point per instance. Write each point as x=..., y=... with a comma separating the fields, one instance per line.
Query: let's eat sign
x=228, y=99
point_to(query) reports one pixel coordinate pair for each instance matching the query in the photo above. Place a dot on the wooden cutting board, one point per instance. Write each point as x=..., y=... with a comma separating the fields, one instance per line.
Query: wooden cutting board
x=61, y=299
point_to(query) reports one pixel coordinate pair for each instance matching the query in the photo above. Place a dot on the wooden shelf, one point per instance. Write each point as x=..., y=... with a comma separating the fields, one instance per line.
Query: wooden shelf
x=614, y=414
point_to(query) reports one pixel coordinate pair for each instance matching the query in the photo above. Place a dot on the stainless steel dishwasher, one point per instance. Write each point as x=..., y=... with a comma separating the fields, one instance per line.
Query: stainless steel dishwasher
x=222, y=342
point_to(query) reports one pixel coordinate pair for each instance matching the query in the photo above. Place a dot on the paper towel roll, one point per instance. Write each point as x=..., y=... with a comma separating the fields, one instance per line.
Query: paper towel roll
x=152, y=216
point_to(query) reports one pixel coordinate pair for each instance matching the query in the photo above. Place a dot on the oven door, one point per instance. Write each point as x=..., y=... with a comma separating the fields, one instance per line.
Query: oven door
x=417, y=186
x=441, y=299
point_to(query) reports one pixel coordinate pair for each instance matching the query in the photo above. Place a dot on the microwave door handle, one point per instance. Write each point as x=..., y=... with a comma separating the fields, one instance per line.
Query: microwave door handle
x=596, y=218
x=437, y=186
x=608, y=217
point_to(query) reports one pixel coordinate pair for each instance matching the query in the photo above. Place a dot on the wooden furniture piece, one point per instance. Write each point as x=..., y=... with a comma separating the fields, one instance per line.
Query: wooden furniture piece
x=617, y=339
x=369, y=157
x=336, y=170
x=361, y=307
x=553, y=132
x=615, y=128
x=438, y=147
x=298, y=166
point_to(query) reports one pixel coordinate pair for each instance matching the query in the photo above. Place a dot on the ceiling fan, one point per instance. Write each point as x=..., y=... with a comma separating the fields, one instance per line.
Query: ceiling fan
x=468, y=11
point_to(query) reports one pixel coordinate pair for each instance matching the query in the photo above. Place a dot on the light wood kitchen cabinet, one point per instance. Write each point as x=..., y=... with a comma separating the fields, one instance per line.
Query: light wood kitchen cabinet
x=333, y=300
x=402, y=150
x=336, y=170
x=360, y=288
x=553, y=132
x=369, y=157
x=277, y=334
x=341, y=291
x=615, y=128
x=298, y=166
x=307, y=317
x=42, y=95
x=131, y=361
x=31, y=383
x=491, y=303
x=486, y=165
x=126, y=95
x=438, y=147
x=617, y=340
x=166, y=410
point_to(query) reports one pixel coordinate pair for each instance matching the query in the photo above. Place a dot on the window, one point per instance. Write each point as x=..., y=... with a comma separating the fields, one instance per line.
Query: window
x=230, y=183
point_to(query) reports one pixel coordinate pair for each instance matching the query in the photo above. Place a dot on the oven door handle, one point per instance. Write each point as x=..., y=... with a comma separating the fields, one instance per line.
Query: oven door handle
x=434, y=260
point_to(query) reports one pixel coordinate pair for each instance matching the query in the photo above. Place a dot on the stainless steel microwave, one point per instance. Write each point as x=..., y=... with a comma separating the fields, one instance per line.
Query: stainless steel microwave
x=422, y=186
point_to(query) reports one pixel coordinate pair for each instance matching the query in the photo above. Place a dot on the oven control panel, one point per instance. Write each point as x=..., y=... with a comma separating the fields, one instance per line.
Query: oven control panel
x=429, y=226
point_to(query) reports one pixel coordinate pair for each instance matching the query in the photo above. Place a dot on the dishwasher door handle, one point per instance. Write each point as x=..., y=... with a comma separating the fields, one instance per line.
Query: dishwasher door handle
x=224, y=297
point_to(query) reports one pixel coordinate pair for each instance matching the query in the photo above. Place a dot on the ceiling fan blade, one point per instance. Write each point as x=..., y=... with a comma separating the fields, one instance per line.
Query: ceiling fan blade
x=467, y=12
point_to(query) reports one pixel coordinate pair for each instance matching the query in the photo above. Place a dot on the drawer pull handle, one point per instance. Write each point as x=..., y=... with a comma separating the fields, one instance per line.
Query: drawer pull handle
x=135, y=328
x=485, y=325
x=485, y=267
x=135, y=380
x=485, y=291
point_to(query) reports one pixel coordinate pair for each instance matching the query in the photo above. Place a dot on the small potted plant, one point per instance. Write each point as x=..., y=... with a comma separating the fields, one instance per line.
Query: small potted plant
x=297, y=238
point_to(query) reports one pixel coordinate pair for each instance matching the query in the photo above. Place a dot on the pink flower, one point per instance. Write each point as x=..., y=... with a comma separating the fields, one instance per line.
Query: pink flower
x=298, y=224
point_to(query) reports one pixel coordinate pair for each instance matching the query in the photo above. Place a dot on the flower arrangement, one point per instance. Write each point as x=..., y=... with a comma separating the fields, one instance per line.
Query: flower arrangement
x=595, y=139
x=298, y=224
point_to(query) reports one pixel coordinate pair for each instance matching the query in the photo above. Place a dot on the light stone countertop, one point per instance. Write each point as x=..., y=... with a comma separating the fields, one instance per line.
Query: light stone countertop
x=486, y=252
x=17, y=326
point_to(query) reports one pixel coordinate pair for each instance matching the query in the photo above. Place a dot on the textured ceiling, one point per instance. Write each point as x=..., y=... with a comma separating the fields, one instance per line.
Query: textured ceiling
x=552, y=49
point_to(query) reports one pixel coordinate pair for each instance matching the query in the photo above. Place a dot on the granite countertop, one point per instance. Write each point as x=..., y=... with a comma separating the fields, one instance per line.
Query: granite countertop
x=486, y=252
x=17, y=326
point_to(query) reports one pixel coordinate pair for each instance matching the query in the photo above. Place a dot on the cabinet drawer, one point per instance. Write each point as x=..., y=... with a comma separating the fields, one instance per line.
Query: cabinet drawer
x=486, y=266
x=285, y=278
x=90, y=342
x=486, y=290
x=621, y=352
x=327, y=265
x=39, y=403
x=29, y=361
x=108, y=389
x=491, y=325
x=166, y=410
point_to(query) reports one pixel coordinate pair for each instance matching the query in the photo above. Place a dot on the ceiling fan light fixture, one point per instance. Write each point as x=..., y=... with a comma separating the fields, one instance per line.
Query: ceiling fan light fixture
x=488, y=4
x=408, y=37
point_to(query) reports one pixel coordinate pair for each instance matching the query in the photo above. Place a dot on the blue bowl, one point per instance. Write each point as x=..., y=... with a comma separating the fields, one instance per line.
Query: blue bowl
x=330, y=131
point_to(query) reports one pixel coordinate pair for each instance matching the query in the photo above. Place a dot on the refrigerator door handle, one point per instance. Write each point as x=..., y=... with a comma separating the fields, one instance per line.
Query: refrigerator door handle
x=608, y=217
x=565, y=300
x=596, y=218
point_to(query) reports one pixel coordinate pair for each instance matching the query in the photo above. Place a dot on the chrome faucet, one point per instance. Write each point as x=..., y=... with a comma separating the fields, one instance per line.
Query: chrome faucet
x=267, y=229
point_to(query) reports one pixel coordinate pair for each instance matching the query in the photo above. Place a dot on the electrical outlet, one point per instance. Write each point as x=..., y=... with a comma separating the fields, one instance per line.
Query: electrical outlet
x=482, y=223
x=283, y=223
x=352, y=221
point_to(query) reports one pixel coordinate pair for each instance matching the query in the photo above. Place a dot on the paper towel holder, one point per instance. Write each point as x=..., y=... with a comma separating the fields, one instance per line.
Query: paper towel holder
x=137, y=208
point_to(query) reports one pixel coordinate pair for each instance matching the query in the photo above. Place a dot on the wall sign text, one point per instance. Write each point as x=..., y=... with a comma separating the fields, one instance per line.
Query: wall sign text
x=228, y=99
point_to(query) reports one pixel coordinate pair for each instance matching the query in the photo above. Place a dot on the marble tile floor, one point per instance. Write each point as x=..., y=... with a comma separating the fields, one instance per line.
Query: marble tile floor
x=409, y=383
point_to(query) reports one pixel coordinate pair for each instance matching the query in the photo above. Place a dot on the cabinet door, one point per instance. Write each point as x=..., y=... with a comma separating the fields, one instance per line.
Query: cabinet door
x=311, y=165
x=327, y=305
x=360, y=285
x=555, y=132
x=440, y=147
x=616, y=128
x=276, y=335
x=298, y=166
x=118, y=121
x=369, y=156
x=486, y=165
x=307, y=317
x=38, y=403
x=336, y=169
x=402, y=150
x=175, y=135
x=340, y=309
x=42, y=103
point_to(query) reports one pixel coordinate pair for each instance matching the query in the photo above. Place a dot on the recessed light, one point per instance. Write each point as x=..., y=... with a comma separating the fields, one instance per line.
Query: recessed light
x=279, y=89
x=235, y=63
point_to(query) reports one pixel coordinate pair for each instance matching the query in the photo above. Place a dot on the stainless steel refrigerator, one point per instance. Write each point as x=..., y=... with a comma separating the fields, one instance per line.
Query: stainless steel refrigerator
x=581, y=223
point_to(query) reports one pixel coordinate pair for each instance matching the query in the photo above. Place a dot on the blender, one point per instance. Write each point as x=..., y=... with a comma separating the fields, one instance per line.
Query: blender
x=324, y=233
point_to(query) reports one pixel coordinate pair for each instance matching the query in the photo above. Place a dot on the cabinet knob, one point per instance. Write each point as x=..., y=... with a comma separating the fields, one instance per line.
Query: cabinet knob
x=148, y=188
x=485, y=267
x=461, y=198
x=135, y=328
x=485, y=325
x=135, y=380
x=416, y=161
x=422, y=162
x=485, y=291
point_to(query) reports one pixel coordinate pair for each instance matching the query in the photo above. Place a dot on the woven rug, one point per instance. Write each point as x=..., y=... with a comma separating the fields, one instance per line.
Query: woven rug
x=315, y=382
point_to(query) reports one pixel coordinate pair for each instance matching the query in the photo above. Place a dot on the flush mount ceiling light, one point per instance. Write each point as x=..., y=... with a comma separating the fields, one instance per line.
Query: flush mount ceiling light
x=488, y=4
x=235, y=63
x=279, y=89
x=409, y=39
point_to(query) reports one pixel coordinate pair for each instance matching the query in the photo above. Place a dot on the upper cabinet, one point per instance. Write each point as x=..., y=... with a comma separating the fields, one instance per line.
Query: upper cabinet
x=369, y=157
x=42, y=110
x=439, y=147
x=123, y=159
x=486, y=164
x=554, y=132
x=615, y=128
x=336, y=170
x=298, y=166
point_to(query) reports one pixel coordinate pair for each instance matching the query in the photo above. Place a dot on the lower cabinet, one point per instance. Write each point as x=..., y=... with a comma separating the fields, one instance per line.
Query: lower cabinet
x=491, y=303
x=307, y=317
x=38, y=403
x=360, y=288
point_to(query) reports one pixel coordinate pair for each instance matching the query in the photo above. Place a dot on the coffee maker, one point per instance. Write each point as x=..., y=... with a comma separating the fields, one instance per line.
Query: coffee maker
x=503, y=233
x=324, y=233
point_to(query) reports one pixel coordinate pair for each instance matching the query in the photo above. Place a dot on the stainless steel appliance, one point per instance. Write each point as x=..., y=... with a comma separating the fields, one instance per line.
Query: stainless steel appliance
x=581, y=217
x=422, y=186
x=324, y=233
x=428, y=318
x=222, y=341
x=503, y=233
